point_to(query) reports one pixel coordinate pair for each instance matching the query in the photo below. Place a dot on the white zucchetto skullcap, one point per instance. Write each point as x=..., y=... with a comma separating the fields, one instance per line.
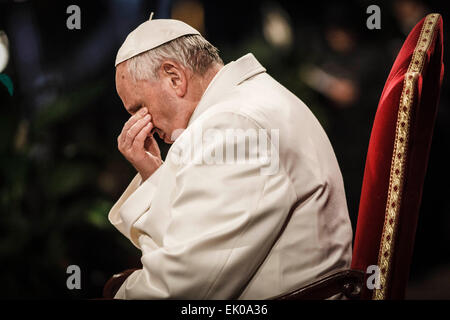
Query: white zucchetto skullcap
x=151, y=34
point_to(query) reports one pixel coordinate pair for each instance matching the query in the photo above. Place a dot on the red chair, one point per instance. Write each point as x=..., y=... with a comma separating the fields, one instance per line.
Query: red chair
x=393, y=179
x=394, y=174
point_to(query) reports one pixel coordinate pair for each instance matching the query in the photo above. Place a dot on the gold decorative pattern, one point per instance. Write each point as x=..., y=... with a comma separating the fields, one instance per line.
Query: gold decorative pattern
x=396, y=178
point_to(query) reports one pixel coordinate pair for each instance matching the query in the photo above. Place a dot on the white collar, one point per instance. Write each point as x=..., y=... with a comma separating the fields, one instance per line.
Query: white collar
x=230, y=76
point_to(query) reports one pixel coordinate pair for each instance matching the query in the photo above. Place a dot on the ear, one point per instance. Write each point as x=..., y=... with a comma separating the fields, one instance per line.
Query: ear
x=174, y=75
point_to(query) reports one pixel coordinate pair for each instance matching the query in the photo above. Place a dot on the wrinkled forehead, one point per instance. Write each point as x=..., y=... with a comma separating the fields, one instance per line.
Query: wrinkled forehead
x=122, y=72
x=125, y=88
x=123, y=78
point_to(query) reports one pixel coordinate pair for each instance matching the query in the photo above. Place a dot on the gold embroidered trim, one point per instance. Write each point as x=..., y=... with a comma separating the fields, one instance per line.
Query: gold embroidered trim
x=396, y=177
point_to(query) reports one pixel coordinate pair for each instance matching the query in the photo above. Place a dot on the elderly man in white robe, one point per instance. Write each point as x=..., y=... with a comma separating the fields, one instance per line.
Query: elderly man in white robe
x=249, y=202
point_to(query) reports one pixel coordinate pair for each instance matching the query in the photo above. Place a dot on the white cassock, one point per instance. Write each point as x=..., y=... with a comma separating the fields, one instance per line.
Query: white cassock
x=248, y=229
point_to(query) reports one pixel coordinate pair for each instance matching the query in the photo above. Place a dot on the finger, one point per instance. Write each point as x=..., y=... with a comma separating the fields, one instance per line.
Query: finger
x=133, y=119
x=134, y=130
x=139, y=141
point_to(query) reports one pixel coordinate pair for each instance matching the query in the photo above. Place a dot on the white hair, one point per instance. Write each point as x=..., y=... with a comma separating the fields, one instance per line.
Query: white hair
x=192, y=51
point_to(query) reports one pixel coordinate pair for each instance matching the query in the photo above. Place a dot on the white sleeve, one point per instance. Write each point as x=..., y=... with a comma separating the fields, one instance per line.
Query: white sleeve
x=224, y=220
x=125, y=223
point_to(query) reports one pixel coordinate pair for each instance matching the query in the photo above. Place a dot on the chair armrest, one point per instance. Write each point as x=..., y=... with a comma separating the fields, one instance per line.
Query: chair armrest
x=349, y=282
x=115, y=282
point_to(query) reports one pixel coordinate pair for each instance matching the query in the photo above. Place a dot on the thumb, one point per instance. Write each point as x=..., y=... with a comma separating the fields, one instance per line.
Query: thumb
x=152, y=146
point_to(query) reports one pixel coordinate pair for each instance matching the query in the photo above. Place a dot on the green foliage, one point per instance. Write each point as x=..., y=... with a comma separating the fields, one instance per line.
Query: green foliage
x=53, y=211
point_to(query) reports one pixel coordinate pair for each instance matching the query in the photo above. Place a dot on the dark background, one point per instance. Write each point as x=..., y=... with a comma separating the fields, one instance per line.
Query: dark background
x=60, y=170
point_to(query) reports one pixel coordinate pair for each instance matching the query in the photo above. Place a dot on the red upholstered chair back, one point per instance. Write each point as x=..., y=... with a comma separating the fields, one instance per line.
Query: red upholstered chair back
x=397, y=160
